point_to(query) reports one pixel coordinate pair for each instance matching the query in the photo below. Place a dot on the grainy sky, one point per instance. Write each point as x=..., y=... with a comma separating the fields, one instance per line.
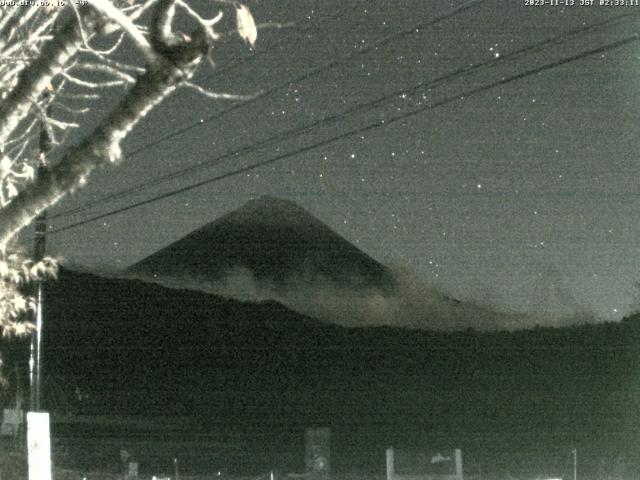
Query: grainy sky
x=524, y=194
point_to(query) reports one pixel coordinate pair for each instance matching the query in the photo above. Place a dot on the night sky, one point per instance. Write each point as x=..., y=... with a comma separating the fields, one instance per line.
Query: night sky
x=493, y=194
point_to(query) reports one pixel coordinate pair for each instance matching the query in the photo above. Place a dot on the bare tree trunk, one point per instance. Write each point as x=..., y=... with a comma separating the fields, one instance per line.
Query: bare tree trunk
x=168, y=64
x=102, y=146
x=36, y=77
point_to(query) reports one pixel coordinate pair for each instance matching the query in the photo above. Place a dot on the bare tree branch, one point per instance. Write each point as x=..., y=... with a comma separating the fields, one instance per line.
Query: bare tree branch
x=80, y=96
x=102, y=146
x=108, y=51
x=217, y=95
x=93, y=85
x=27, y=132
x=7, y=18
x=138, y=10
x=161, y=25
x=117, y=65
x=33, y=37
x=35, y=78
x=16, y=23
x=277, y=25
x=18, y=150
x=206, y=25
x=116, y=15
x=42, y=66
x=107, y=70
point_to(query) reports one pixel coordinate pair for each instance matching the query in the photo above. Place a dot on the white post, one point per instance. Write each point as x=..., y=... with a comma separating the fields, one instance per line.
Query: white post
x=132, y=471
x=390, y=465
x=175, y=468
x=458, y=464
x=38, y=446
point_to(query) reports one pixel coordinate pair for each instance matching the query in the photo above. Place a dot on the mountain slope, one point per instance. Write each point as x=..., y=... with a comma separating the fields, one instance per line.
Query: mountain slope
x=273, y=249
x=275, y=241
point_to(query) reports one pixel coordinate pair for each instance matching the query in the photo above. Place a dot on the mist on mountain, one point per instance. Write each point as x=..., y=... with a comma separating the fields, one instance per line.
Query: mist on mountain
x=272, y=249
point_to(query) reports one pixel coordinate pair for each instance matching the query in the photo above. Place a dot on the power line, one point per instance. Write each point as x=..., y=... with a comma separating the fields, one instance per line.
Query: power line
x=297, y=131
x=311, y=73
x=372, y=126
x=304, y=76
x=361, y=130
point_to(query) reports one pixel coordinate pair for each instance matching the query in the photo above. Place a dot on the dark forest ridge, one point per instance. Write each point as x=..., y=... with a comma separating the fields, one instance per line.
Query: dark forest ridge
x=141, y=348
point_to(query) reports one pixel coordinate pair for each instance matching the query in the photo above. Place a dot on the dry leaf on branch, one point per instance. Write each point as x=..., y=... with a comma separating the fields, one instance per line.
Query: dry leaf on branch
x=246, y=25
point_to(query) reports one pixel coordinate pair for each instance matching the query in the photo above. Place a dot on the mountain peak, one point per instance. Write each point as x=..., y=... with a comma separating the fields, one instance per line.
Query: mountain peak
x=268, y=201
x=274, y=240
x=268, y=209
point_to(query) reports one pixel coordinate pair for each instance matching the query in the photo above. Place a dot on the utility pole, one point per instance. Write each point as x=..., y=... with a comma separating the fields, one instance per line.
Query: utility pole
x=575, y=464
x=35, y=360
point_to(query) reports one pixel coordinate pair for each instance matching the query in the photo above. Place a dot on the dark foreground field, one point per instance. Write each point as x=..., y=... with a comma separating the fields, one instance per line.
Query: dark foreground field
x=13, y=466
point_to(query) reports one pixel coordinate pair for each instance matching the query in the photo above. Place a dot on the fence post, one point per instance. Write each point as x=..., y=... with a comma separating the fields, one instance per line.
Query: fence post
x=38, y=446
x=175, y=468
x=390, y=465
x=458, y=464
